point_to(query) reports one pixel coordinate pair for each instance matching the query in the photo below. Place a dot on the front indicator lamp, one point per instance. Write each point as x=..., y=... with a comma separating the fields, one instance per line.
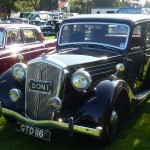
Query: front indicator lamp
x=15, y=95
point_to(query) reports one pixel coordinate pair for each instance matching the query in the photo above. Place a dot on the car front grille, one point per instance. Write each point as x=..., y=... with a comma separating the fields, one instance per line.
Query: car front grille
x=36, y=101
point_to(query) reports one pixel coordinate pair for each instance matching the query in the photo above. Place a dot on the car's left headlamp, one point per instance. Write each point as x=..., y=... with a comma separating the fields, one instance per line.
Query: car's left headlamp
x=19, y=71
x=81, y=80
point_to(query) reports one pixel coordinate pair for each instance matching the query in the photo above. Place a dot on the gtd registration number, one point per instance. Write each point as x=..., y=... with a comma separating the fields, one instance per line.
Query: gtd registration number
x=33, y=131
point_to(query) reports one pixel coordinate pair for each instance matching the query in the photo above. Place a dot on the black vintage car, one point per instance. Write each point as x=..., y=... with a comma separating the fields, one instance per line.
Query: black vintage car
x=90, y=84
x=49, y=27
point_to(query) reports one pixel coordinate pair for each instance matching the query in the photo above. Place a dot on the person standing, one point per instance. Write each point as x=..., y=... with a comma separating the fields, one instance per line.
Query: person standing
x=56, y=28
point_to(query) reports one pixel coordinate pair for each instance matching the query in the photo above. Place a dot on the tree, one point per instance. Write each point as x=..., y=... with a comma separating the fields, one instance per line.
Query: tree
x=85, y=6
x=105, y=3
x=19, y=5
x=81, y=6
x=48, y=5
x=147, y=4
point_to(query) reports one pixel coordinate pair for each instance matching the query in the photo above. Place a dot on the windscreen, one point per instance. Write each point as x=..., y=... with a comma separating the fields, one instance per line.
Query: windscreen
x=114, y=35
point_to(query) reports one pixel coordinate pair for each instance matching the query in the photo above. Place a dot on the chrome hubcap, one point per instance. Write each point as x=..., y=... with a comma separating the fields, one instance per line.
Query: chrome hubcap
x=113, y=118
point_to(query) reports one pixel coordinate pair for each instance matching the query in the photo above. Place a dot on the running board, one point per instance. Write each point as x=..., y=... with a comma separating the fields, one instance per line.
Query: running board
x=142, y=95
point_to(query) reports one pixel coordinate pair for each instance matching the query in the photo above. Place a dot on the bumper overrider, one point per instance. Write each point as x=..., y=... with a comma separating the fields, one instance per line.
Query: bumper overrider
x=95, y=132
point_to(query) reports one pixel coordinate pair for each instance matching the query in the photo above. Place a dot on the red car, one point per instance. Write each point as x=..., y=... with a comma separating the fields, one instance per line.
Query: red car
x=24, y=39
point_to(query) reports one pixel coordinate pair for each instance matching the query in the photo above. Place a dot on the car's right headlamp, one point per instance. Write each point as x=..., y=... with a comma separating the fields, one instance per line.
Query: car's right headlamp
x=81, y=80
x=19, y=71
x=15, y=95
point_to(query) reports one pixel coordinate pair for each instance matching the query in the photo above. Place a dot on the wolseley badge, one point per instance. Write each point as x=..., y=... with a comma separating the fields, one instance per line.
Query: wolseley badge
x=41, y=65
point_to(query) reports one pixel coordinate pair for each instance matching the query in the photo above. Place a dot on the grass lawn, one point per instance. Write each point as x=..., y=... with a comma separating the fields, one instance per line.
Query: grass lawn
x=135, y=135
x=49, y=37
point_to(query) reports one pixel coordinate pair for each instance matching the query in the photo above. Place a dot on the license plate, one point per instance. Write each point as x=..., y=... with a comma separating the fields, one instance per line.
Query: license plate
x=40, y=86
x=33, y=131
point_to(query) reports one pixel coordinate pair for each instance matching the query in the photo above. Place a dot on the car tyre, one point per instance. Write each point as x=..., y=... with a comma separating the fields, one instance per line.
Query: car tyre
x=111, y=124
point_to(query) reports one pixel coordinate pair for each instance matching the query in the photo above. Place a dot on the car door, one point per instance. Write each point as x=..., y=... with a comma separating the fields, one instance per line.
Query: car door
x=13, y=45
x=146, y=55
x=135, y=59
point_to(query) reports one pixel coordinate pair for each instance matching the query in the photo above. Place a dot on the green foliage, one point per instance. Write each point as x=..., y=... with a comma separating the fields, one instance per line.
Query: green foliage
x=78, y=6
x=107, y=3
x=85, y=6
x=49, y=37
x=48, y=4
x=147, y=4
x=20, y=5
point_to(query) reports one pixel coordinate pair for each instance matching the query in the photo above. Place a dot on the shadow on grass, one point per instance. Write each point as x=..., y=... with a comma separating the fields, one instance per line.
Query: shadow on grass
x=134, y=135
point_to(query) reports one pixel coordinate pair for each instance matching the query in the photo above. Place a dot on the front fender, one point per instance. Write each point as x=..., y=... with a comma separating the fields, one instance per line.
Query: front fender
x=93, y=110
x=7, y=82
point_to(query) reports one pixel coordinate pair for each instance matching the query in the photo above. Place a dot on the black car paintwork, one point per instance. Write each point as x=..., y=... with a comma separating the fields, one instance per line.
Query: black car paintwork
x=80, y=61
x=5, y=87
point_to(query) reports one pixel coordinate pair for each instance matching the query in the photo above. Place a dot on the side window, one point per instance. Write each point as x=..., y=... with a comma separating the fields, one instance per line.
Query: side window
x=14, y=37
x=136, y=37
x=65, y=35
x=30, y=36
x=147, y=34
x=37, y=17
x=1, y=38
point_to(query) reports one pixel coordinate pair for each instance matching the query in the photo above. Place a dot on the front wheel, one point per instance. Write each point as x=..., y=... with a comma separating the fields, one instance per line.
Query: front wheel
x=111, y=124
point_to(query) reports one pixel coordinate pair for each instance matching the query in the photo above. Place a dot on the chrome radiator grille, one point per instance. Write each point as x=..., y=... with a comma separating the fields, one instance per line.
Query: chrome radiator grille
x=36, y=101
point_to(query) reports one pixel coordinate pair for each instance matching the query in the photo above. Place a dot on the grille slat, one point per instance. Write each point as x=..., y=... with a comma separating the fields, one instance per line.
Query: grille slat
x=36, y=102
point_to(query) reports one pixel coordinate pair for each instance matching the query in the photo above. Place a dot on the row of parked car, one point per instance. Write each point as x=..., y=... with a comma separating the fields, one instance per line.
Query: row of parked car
x=47, y=27
x=91, y=83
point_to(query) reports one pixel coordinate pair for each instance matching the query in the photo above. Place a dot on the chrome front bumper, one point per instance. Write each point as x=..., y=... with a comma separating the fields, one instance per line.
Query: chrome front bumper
x=95, y=132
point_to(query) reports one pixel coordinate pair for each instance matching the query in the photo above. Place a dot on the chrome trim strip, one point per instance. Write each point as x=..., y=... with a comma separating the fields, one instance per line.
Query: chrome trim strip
x=102, y=72
x=101, y=65
x=101, y=69
x=96, y=132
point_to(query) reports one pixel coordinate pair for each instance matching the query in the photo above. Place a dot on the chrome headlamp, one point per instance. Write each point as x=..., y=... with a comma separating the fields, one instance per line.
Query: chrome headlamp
x=14, y=95
x=81, y=80
x=19, y=71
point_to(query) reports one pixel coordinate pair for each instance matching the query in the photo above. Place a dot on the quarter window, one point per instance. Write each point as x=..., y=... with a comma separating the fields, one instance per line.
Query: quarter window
x=136, y=37
x=147, y=33
x=30, y=36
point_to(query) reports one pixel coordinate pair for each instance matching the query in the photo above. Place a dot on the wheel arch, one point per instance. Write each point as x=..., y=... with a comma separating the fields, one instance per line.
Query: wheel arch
x=107, y=93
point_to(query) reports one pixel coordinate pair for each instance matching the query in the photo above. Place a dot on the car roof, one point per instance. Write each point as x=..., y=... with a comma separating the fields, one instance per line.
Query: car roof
x=127, y=17
x=6, y=26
